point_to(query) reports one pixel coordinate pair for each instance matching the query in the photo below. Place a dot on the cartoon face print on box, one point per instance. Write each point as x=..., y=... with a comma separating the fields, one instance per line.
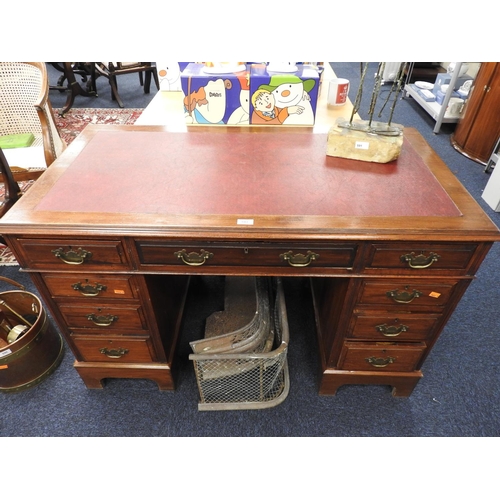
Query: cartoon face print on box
x=292, y=101
x=169, y=74
x=265, y=110
x=207, y=104
x=241, y=116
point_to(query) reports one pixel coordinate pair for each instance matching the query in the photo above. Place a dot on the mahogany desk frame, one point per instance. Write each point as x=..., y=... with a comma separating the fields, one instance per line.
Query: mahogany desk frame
x=383, y=286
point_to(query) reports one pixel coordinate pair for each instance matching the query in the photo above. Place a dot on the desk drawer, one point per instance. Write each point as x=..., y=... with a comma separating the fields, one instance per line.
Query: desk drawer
x=91, y=286
x=406, y=293
x=420, y=257
x=104, y=318
x=370, y=325
x=210, y=254
x=114, y=349
x=68, y=254
x=380, y=356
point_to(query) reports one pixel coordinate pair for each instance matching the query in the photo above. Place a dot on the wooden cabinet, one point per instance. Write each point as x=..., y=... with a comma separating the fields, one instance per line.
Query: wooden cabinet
x=479, y=128
x=110, y=317
x=389, y=323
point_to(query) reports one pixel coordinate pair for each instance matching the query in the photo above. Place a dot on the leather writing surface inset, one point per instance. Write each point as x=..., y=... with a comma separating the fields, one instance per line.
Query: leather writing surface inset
x=248, y=174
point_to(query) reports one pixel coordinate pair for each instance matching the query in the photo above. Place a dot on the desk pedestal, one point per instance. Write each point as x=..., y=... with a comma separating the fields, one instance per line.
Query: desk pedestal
x=402, y=384
x=93, y=374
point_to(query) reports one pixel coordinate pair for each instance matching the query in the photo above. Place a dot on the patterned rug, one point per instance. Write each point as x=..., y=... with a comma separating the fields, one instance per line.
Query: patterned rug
x=76, y=119
x=6, y=257
x=70, y=125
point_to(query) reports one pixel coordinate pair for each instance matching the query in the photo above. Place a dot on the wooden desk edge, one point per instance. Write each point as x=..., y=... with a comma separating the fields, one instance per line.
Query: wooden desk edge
x=475, y=221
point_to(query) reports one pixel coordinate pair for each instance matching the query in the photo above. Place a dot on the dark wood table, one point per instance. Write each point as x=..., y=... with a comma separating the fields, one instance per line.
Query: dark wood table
x=86, y=71
x=113, y=230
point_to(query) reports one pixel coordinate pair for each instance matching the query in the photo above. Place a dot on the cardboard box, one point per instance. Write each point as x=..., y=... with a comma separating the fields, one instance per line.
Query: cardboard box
x=283, y=98
x=212, y=98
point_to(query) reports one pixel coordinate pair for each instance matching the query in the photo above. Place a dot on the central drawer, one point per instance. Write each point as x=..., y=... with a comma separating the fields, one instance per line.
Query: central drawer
x=214, y=254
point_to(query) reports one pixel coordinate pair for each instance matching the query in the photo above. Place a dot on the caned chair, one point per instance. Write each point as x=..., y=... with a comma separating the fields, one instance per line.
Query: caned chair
x=25, y=108
x=111, y=70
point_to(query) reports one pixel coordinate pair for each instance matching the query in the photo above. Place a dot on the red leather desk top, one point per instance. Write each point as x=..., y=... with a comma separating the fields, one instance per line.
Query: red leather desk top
x=241, y=173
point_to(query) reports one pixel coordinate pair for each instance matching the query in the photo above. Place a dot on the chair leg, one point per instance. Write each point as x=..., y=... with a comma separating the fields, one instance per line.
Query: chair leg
x=155, y=76
x=147, y=82
x=114, y=91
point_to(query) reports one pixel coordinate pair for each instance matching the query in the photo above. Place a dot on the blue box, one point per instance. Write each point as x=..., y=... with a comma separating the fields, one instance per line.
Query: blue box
x=445, y=79
x=440, y=96
x=426, y=95
x=441, y=79
x=212, y=98
x=461, y=80
x=283, y=98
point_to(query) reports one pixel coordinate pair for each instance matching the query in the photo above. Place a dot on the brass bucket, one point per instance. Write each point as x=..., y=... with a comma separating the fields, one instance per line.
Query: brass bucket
x=30, y=348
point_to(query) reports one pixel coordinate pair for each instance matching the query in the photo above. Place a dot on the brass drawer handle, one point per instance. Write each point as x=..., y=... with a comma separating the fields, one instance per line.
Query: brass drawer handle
x=380, y=362
x=73, y=257
x=104, y=320
x=299, y=259
x=193, y=258
x=404, y=297
x=420, y=261
x=89, y=290
x=391, y=330
x=114, y=353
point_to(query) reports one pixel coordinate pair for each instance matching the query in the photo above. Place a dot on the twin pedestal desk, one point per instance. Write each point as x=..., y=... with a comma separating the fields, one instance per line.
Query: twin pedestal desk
x=114, y=229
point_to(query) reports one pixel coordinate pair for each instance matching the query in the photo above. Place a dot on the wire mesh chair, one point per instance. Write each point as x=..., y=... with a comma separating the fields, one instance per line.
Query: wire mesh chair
x=248, y=380
x=25, y=108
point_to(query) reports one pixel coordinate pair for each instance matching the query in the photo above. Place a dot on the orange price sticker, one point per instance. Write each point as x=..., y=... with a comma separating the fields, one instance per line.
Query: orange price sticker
x=435, y=295
x=4, y=367
x=120, y=292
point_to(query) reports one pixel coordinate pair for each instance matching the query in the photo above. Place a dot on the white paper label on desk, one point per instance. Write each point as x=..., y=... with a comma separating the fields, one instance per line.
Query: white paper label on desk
x=245, y=222
x=5, y=353
x=362, y=145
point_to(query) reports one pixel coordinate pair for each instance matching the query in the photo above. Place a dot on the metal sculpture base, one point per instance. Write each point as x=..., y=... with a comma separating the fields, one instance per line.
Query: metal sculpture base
x=376, y=142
